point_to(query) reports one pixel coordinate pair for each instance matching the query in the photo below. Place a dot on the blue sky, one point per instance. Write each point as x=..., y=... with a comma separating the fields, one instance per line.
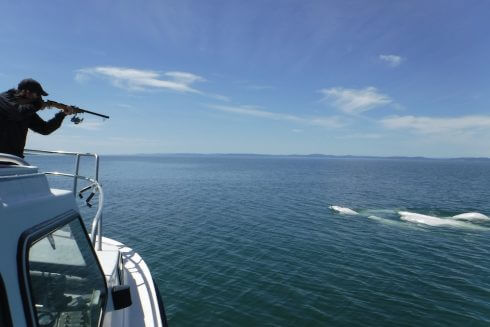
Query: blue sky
x=274, y=77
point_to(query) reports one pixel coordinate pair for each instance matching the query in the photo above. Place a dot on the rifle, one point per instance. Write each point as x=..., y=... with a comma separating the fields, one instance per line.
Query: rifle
x=77, y=110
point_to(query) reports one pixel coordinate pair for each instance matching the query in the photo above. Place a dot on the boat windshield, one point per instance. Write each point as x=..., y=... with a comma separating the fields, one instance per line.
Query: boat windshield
x=67, y=286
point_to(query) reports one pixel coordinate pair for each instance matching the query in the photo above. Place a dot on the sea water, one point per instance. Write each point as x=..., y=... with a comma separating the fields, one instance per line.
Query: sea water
x=304, y=241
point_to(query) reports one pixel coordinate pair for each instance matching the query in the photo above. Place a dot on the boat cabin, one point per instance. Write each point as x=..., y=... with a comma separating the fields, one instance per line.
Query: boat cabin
x=54, y=272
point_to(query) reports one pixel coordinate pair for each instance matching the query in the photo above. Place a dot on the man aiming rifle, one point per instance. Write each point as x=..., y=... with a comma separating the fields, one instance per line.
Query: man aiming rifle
x=76, y=110
x=18, y=113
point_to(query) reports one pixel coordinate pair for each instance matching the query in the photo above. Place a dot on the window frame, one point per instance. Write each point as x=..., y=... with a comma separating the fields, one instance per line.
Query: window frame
x=34, y=234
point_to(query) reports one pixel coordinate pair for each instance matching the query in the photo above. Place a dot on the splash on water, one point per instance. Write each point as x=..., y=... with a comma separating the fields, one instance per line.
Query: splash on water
x=387, y=221
x=415, y=218
x=434, y=221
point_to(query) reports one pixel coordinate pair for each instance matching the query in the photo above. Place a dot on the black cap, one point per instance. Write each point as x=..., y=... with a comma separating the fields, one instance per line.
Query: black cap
x=31, y=85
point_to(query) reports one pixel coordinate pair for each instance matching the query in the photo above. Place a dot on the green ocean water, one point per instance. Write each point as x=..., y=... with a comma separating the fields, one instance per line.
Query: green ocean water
x=252, y=241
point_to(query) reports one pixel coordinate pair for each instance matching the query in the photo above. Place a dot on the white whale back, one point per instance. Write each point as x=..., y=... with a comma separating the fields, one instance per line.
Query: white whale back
x=471, y=216
x=344, y=211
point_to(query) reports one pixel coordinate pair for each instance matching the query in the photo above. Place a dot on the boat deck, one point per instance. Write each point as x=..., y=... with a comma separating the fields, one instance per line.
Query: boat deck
x=145, y=306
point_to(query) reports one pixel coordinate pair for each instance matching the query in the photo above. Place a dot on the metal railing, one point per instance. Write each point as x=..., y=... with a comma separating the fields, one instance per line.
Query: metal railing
x=96, y=230
x=8, y=158
x=77, y=156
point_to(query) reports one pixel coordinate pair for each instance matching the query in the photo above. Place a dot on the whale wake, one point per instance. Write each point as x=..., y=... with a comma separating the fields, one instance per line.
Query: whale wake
x=394, y=217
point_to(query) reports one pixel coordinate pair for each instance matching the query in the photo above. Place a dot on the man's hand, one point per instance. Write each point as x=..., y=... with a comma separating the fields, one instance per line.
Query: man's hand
x=68, y=110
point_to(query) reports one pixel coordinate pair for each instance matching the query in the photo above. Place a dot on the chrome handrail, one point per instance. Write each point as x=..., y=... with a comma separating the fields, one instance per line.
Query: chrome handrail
x=77, y=161
x=4, y=157
x=97, y=220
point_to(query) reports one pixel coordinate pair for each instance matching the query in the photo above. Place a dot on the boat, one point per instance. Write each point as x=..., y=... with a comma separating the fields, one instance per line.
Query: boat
x=56, y=271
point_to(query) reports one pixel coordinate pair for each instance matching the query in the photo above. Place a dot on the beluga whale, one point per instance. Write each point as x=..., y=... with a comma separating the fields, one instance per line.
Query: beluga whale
x=343, y=211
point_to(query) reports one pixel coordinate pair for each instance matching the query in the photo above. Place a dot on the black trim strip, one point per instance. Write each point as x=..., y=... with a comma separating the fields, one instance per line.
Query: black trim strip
x=163, y=316
x=5, y=308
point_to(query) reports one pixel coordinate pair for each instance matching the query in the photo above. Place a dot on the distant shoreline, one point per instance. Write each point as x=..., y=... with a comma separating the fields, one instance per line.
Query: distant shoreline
x=256, y=155
x=319, y=156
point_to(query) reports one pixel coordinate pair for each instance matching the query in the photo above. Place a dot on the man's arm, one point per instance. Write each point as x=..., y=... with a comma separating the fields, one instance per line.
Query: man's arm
x=37, y=124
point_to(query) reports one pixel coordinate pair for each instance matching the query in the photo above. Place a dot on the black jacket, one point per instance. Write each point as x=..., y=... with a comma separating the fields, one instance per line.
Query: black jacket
x=16, y=119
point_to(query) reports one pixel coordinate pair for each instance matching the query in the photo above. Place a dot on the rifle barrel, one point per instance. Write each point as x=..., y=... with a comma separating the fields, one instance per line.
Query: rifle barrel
x=78, y=110
x=90, y=112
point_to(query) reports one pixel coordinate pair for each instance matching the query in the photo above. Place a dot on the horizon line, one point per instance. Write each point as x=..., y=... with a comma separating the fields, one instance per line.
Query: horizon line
x=319, y=155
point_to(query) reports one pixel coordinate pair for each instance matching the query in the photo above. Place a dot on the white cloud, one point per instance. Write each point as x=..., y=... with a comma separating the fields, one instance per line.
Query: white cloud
x=260, y=87
x=135, y=79
x=431, y=125
x=219, y=97
x=392, y=60
x=369, y=136
x=73, y=139
x=330, y=122
x=132, y=140
x=88, y=125
x=81, y=76
x=355, y=101
x=185, y=78
x=123, y=105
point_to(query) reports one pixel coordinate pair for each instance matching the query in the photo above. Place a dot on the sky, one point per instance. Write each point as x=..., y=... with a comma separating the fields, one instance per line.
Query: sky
x=375, y=78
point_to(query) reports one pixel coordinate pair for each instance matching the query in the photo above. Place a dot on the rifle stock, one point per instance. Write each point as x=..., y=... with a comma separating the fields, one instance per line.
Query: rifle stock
x=77, y=110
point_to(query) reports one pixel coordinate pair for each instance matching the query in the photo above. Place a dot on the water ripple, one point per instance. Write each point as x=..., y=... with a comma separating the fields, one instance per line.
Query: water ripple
x=252, y=242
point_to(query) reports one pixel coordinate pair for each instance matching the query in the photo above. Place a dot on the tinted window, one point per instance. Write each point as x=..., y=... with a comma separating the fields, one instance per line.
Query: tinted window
x=67, y=286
